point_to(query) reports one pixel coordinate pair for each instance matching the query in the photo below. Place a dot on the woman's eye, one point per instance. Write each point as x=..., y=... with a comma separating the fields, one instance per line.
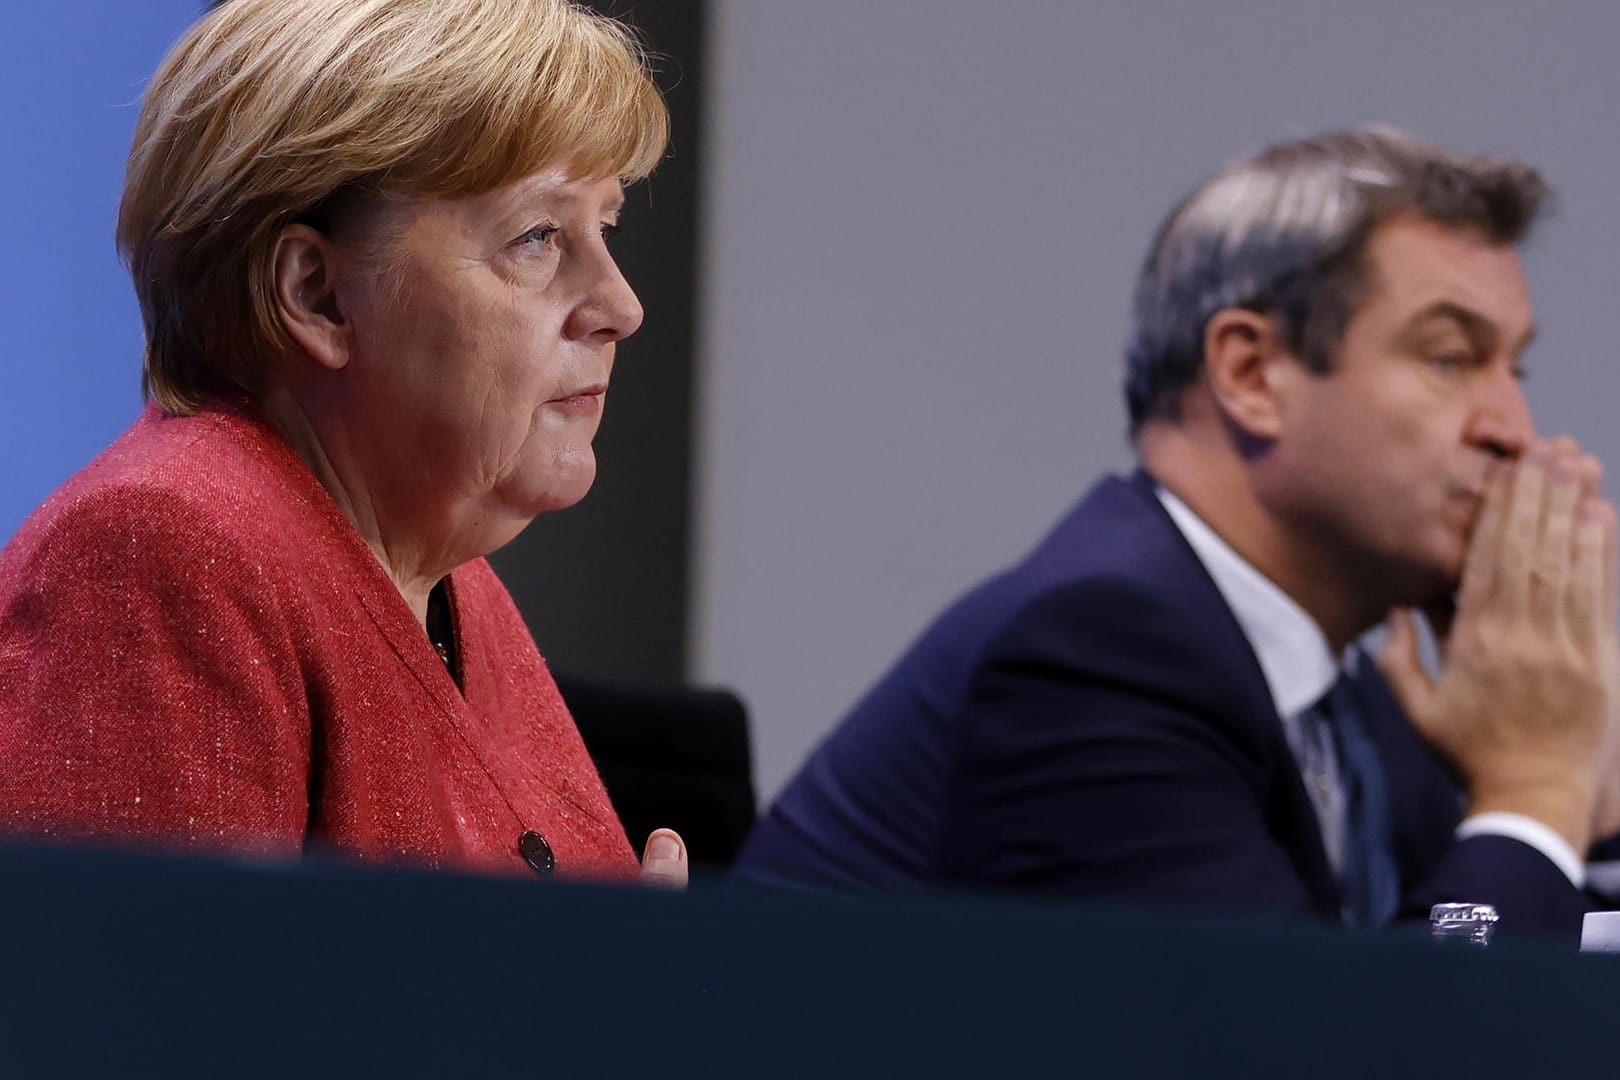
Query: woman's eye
x=540, y=235
x=610, y=229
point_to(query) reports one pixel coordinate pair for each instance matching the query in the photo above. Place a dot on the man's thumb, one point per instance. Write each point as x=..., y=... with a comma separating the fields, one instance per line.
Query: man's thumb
x=1402, y=665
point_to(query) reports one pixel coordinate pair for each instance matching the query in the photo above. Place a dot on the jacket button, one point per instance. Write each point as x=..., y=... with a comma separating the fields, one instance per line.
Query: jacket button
x=536, y=852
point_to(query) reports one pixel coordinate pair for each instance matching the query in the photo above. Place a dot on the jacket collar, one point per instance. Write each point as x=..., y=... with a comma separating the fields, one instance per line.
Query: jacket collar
x=1294, y=654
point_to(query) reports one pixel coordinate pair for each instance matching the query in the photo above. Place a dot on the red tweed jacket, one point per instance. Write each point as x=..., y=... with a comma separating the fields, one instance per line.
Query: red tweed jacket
x=197, y=648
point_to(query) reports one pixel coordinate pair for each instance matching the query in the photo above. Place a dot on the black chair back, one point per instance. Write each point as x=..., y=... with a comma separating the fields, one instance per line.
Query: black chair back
x=671, y=757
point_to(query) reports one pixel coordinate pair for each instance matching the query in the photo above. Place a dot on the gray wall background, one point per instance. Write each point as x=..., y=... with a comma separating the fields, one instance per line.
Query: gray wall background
x=923, y=220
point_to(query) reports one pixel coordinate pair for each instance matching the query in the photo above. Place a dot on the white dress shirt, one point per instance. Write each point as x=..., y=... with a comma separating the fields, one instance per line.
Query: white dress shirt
x=1299, y=667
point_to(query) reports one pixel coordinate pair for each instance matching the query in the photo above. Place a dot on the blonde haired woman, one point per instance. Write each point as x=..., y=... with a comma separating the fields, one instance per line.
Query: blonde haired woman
x=369, y=238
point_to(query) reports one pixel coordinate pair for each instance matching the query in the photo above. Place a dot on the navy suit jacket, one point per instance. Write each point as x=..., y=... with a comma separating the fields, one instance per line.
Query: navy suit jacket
x=1094, y=723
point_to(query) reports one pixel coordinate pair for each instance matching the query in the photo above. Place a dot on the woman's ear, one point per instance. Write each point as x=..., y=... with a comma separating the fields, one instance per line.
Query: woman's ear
x=1247, y=368
x=305, y=276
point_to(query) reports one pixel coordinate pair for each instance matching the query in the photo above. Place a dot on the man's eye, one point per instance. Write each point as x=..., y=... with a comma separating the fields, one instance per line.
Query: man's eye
x=1451, y=361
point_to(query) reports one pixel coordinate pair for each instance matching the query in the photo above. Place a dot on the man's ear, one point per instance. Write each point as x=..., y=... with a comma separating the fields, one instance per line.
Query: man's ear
x=1246, y=366
x=305, y=278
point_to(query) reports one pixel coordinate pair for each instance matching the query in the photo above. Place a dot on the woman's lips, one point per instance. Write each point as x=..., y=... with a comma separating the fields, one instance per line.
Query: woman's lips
x=585, y=400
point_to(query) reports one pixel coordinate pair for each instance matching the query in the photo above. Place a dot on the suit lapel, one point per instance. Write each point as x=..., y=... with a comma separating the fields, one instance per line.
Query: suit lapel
x=1239, y=696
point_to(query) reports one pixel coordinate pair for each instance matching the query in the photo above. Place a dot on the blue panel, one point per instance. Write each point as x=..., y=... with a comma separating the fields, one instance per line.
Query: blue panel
x=71, y=76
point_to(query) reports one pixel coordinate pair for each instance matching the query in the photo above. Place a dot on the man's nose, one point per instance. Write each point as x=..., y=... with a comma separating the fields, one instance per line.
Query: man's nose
x=1501, y=423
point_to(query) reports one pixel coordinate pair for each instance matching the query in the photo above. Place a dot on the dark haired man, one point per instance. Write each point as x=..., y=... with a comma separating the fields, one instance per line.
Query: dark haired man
x=1162, y=704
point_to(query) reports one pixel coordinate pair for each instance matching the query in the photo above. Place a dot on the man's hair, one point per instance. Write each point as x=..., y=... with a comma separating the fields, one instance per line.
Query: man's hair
x=1284, y=233
x=270, y=111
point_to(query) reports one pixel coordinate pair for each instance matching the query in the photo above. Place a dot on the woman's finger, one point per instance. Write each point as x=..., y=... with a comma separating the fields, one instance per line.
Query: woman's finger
x=664, y=861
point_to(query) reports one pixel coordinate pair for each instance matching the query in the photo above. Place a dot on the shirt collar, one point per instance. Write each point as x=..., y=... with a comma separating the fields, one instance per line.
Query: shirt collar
x=1294, y=654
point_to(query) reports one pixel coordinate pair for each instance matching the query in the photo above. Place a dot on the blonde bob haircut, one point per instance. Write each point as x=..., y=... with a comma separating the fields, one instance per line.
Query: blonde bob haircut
x=268, y=110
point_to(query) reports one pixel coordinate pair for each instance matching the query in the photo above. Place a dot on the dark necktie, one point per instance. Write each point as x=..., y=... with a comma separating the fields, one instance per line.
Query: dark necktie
x=1371, y=881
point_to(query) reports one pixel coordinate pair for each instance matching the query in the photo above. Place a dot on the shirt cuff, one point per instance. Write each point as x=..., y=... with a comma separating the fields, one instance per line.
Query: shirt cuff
x=1603, y=878
x=1527, y=830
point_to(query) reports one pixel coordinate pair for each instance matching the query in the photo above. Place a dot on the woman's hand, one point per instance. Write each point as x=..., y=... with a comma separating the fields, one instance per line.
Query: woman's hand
x=663, y=863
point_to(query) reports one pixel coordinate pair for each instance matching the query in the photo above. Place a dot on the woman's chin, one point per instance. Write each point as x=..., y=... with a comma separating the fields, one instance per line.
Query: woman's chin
x=555, y=488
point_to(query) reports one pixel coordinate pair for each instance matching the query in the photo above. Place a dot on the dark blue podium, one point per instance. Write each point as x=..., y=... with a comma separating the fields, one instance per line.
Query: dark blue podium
x=124, y=965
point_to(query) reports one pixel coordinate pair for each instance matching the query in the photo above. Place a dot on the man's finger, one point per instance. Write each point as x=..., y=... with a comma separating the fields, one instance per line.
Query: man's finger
x=1591, y=473
x=1479, y=571
x=1522, y=529
x=1588, y=606
x=1595, y=570
x=1611, y=575
x=1402, y=667
x=1550, y=562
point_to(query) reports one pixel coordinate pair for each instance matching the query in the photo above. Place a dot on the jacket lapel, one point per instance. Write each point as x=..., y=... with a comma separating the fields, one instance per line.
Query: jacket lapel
x=1241, y=701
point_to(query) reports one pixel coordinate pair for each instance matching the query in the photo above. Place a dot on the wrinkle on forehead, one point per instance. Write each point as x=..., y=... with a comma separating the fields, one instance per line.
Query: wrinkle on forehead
x=1422, y=265
x=560, y=188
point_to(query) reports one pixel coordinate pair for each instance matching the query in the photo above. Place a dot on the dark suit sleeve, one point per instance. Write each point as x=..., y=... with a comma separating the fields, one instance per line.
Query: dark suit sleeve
x=1529, y=892
x=1074, y=787
x=1072, y=778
